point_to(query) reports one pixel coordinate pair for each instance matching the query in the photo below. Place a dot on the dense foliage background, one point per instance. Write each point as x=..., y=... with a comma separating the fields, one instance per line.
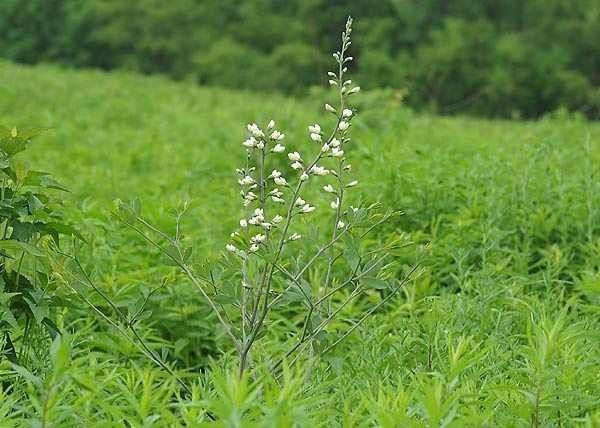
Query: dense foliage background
x=502, y=331
x=510, y=59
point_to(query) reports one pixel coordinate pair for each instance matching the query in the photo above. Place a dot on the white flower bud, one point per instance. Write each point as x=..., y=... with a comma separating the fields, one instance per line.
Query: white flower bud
x=324, y=148
x=348, y=168
x=335, y=143
x=335, y=204
x=257, y=238
x=275, y=174
x=247, y=180
x=337, y=152
x=297, y=165
x=276, y=135
x=329, y=188
x=254, y=248
x=343, y=125
x=319, y=170
x=278, y=148
x=243, y=222
x=330, y=108
x=352, y=183
x=294, y=156
x=314, y=129
x=304, y=177
x=354, y=90
x=315, y=137
x=271, y=125
x=280, y=181
x=333, y=82
x=347, y=113
x=341, y=224
x=277, y=199
x=230, y=247
x=255, y=130
x=260, y=145
x=249, y=143
x=277, y=219
x=295, y=236
x=307, y=209
x=299, y=202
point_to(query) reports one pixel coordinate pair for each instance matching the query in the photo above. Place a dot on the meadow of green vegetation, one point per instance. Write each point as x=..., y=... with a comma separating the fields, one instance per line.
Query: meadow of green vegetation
x=502, y=330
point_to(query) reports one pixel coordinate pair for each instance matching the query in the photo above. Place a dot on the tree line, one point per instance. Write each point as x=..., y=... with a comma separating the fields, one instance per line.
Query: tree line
x=509, y=58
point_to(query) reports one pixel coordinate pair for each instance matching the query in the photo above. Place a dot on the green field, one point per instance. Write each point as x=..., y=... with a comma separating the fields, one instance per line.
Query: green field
x=503, y=328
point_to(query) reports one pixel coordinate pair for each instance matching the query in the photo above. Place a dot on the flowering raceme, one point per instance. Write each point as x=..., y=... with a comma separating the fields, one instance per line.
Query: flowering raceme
x=287, y=251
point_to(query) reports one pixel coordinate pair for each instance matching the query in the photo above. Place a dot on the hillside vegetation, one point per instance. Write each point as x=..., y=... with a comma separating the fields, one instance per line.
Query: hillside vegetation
x=502, y=330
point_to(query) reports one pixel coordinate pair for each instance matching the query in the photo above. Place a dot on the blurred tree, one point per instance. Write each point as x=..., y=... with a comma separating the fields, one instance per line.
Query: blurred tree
x=483, y=57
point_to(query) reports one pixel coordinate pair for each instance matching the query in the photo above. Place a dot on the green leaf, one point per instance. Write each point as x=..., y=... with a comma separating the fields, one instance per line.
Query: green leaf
x=62, y=229
x=33, y=132
x=5, y=297
x=53, y=330
x=137, y=206
x=50, y=183
x=8, y=317
x=4, y=162
x=27, y=375
x=13, y=145
x=144, y=316
x=39, y=309
x=372, y=267
x=173, y=251
x=9, y=244
x=22, y=231
x=322, y=335
x=34, y=204
x=21, y=171
x=60, y=351
x=222, y=299
x=9, y=349
x=376, y=283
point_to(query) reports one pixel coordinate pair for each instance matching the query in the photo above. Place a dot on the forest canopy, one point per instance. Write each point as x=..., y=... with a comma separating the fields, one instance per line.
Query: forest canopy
x=511, y=58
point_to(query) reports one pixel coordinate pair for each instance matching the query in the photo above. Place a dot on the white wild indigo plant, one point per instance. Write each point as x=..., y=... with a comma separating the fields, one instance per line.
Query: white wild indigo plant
x=277, y=259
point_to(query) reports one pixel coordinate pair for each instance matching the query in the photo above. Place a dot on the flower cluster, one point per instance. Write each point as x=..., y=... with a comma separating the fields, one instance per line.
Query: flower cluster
x=261, y=188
